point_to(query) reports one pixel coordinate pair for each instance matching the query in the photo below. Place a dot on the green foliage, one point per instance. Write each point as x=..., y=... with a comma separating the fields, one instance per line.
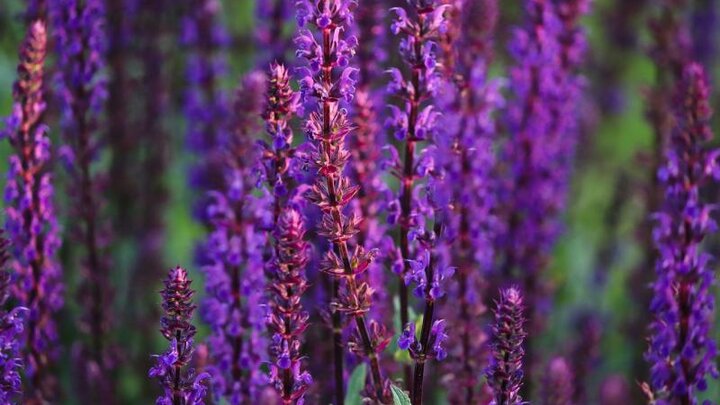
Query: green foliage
x=356, y=385
x=399, y=396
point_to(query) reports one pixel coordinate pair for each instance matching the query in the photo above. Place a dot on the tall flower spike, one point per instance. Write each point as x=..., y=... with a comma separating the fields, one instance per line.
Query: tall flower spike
x=80, y=45
x=419, y=27
x=180, y=385
x=232, y=257
x=206, y=105
x=288, y=320
x=365, y=163
x=682, y=351
x=558, y=381
x=272, y=43
x=469, y=101
x=11, y=334
x=31, y=221
x=328, y=81
x=539, y=153
x=504, y=374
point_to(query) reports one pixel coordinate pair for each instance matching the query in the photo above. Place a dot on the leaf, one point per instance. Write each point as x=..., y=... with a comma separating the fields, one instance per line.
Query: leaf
x=356, y=385
x=399, y=396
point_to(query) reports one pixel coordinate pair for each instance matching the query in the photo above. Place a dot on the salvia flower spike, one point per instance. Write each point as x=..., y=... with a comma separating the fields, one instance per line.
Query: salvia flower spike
x=504, y=374
x=81, y=48
x=180, y=385
x=419, y=26
x=682, y=352
x=30, y=218
x=287, y=319
x=469, y=101
x=232, y=257
x=12, y=324
x=327, y=80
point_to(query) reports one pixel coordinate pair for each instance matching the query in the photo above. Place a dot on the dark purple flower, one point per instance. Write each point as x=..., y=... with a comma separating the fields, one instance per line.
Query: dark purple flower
x=538, y=157
x=180, y=385
x=232, y=256
x=272, y=44
x=206, y=104
x=279, y=166
x=558, y=383
x=419, y=26
x=288, y=320
x=682, y=351
x=80, y=45
x=12, y=324
x=465, y=145
x=504, y=374
x=31, y=222
x=328, y=82
x=365, y=163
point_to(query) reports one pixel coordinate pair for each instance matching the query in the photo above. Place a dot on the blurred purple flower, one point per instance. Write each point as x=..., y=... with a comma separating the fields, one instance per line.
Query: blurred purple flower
x=80, y=44
x=682, y=351
x=232, y=256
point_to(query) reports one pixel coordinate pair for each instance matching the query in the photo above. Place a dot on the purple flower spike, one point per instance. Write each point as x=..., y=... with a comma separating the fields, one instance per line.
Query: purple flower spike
x=31, y=222
x=504, y=374
x=181, y=386
x=328, y=82
x=271, y=42
x=206, y=104
x=288, y=320
x=365, y=163
x=558, y=381
x=682, y=351
x=12, y=324
x=469, y=102
x=232, y=257
x=81, y=46
x=419, y=27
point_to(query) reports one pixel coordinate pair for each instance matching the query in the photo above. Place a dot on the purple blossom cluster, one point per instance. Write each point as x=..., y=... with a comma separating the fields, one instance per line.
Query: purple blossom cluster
x=207, y=107
x=288, y=320
x=12, y=325
x=30, y=218
x=180, y=385
x=468, y=131
x=232, y=257
x=682, y=351
x=431, y=184
x=328, y=81
x=505, y=371
x=81, y=87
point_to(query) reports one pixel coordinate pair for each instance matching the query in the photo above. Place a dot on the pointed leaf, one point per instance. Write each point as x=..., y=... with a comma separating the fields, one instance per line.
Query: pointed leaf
x=356, y=385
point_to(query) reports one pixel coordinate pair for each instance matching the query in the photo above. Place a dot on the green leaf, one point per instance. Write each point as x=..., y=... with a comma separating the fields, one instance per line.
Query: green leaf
x=356, y=385
x=399, y=396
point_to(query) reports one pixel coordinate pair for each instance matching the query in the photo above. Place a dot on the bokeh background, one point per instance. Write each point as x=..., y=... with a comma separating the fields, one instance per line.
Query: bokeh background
x=598, y=266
